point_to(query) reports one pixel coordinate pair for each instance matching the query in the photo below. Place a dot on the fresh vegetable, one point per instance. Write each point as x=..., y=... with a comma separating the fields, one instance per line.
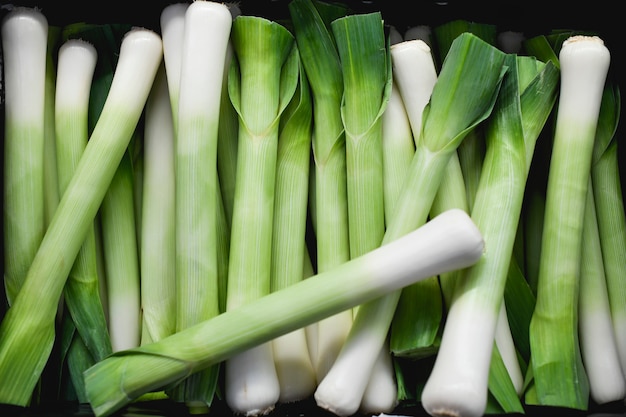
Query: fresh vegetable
x=24, y=48
x=27, y=333
x=449, y=241
x=292, y=360
x=261, y=85
x=458, y=381
x=320, y=58
x=366, y=67
x=559, y=376
x=75, y=70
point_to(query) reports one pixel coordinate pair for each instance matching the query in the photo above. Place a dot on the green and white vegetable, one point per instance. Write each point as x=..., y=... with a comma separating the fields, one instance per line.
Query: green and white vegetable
x=449, y=241
x=322, y=65
x=261, y=85
x=292, y=360
x=27, y=333
x=75, y=69
x=458, y=383
x=24, y=48
x=559, y=376
x=196, y=182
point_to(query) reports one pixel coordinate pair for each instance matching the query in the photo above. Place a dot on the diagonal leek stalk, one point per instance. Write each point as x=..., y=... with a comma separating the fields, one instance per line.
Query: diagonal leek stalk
x=609, y=202
x=27, y=334
x=291, y=355
x=24, y=45
x=75, y=69
x=449, y=241
x=261, y=85
x=464, y=94
x=597, y=338
x=158, y=247
x=559, y=376
x=366, y=68
x=196, y=183
x=323, y=68
x=458, y=383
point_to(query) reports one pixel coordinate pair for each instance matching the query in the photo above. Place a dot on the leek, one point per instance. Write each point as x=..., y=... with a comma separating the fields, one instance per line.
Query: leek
x=366, y=67
x=261, y=84
x=467, y=97
x=24, y=44
x=27, y=334
x=458, y=383
x=75, y=69
x=559, y=375
x=449, y=241
x=158, y=241
x=196, y=183
x=598, y=344
x=119, y=241
x=322, y=65
x=609, y=202
x=294, y=367
x=51, y=180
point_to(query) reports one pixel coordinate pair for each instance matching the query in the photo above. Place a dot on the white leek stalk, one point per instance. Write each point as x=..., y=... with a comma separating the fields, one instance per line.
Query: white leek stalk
x=366, y=68
x=27, y=333
x=24, y=45
x=419, y=309
x=598, y=345
x=609, y=201
x=398, y=149
x=76, y=64
x=121, y=257
x=261, y=85
x=421, y=32
x=51, y=181
x=447, y=242
x=292, y=360
x=158, y=241
x=323, y=68
x=172, y=23
x=559, y=376
x=373, y=319
x=458, y=383
x=196, y=182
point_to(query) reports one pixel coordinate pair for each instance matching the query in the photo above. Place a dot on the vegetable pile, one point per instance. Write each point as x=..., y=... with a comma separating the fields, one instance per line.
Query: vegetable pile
x=253, y=211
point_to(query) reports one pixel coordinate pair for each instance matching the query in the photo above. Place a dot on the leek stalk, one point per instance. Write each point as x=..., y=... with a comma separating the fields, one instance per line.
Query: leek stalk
x=196, y=184
x=158, y=242
x=322, y=65
x=24, y=45
x=449, y=241
x=75, y=70
x=292, y=360
x=366, y=66
x=458, y=382
x=27, y=333
x=609, y=202
x=559, y=375
x=261, y=84
x=467, y=97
